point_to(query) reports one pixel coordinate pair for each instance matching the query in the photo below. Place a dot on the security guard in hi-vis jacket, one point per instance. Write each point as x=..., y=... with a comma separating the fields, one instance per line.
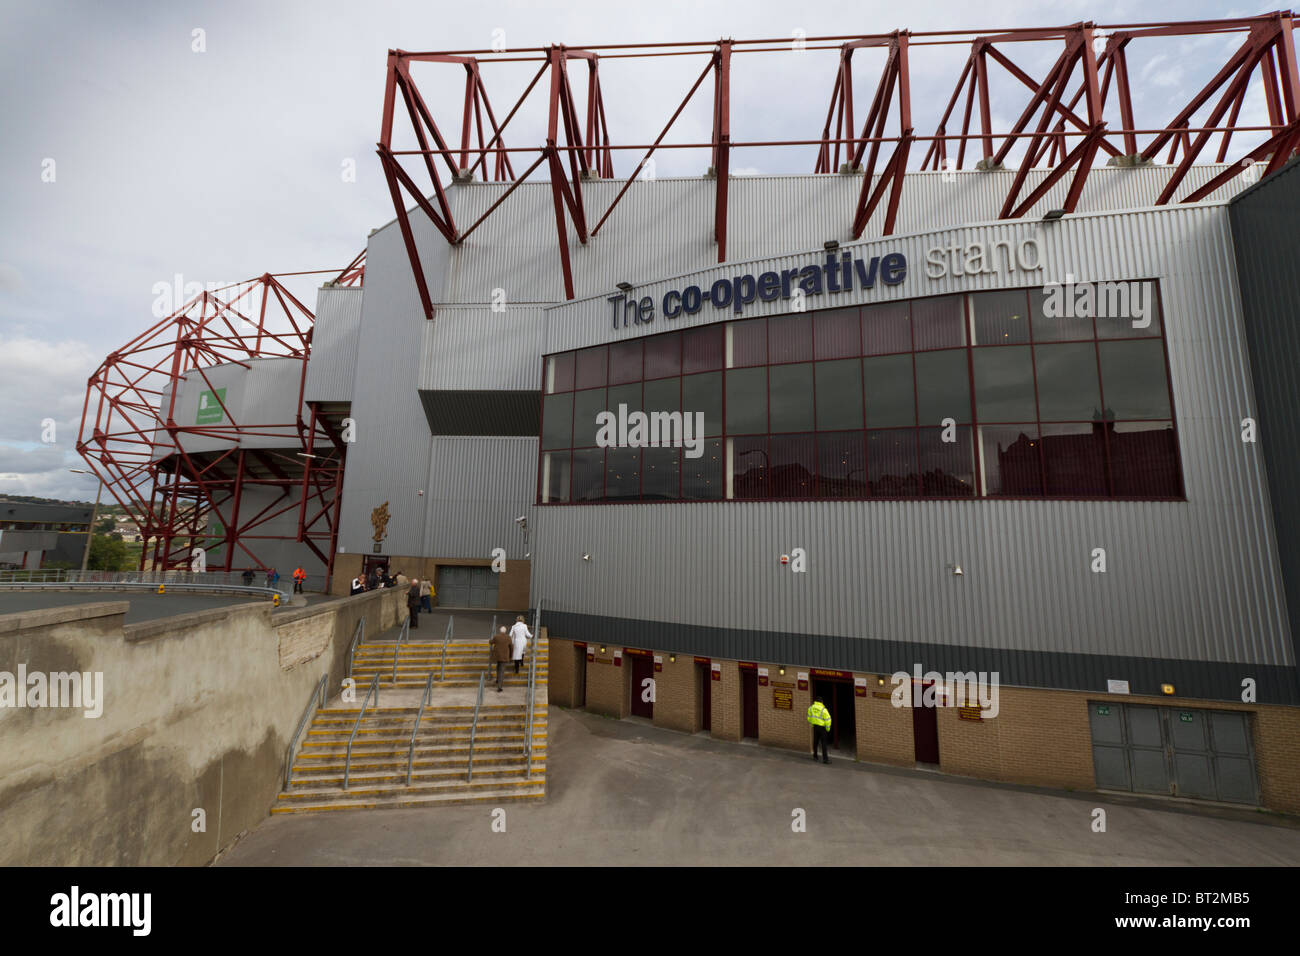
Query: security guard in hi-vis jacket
x=820, y=718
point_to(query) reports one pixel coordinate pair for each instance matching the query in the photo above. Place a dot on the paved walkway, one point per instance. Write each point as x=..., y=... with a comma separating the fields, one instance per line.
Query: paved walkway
x=145, y=605
x=625, y=792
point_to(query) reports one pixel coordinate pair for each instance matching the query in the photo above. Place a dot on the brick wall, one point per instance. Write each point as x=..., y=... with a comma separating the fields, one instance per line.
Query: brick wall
x=726, y=714
x=607, y=685
x=884, y=732
x=560, y=673
x=1277, y=749
x=784, y=728
x=677, y=702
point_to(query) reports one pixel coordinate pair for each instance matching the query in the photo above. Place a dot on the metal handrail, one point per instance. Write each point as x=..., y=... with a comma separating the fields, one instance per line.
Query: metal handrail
x=358, y=638
x=177, y=578
x=532, y=691
x=317, y=698
x=473, y=727
x=451, y=629
x=139, y=586
x=397, y=650
x=410, y=751
x=374, y=689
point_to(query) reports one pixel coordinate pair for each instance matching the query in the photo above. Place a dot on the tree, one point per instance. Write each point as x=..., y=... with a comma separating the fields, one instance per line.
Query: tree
x=107, y=554
x=105, y=526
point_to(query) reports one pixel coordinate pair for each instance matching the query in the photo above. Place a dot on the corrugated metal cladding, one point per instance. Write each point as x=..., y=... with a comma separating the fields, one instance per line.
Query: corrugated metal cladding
x=264, y=393
x=1194, y=581
x=665, y=227
x=1266, y=229
x=483, y=412
x=477, y=487
x=389, y=462
x=333, y=362
x=474, y=347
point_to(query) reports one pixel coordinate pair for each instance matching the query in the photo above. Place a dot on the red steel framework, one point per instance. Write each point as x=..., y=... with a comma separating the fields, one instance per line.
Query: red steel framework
x=1060, y=130
x=166, y=474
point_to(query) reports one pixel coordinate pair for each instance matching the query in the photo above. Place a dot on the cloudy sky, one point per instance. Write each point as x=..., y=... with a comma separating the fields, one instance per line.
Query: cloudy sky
x=226, y=162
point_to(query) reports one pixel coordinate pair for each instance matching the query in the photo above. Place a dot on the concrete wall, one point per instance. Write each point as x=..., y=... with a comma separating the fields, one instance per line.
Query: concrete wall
x=197, y=714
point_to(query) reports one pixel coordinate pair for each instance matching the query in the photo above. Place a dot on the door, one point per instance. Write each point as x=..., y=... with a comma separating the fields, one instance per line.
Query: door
x=925, y=730
x=837, y=696
x=579, y=677
x=749, y=702
x=704, y=694
x=467, y=587
x=379, y=564
x=643, y=684
x=1202, y=754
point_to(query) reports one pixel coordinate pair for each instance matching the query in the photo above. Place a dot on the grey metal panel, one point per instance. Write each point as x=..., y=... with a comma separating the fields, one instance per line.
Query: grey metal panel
x=389, y=461
x=1267, y=245
x=477, y=487
x=261, y=395
x=1187, y=581
x=483, y=412
x=474, y=347
x=334, y=339
x=664, y=227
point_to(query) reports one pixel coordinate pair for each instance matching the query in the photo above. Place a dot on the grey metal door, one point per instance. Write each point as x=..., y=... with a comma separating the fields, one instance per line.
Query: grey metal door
x=1204, y=754
x=467, y=587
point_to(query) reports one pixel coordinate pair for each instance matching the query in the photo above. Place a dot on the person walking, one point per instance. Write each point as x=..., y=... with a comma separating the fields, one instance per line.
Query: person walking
x=413, y=604
x=299, y=579
x=500, y=654
x=248, y=577
x=519, y=638
x=820, y=718
x=426, y=589
x=272, y=577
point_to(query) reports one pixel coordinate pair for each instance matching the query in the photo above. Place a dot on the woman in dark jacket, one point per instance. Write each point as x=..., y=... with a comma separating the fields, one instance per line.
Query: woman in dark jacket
x=413, y=603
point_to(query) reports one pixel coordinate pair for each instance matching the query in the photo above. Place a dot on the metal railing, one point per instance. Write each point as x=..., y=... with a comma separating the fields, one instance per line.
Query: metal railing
x=532, y=691
x=374, y=689
x=451, y=629
x=397, y=650
x=179, y=580
x=358, y=638
x=410, y=751
x=317, y=700
x=473, y=727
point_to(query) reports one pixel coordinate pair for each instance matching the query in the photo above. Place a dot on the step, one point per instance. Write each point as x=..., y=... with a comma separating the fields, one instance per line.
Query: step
x=458, y=784
x=396, y=777
x=322, y=750
x=336, y=763
x=405, y=800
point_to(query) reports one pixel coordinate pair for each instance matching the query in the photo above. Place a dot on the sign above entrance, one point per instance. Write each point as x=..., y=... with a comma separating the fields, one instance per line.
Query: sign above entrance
x=840, y=273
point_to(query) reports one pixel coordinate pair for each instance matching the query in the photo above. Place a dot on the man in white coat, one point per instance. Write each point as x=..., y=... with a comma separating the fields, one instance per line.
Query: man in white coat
x=519, y=638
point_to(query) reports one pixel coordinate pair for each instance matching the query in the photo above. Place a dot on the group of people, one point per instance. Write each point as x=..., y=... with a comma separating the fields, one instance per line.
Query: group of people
x=273, y=578
x=378, y=578
x=506, y=647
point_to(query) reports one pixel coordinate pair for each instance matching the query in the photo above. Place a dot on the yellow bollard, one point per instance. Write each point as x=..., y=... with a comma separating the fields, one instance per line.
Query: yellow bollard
x=275, y=600
x=162, y=588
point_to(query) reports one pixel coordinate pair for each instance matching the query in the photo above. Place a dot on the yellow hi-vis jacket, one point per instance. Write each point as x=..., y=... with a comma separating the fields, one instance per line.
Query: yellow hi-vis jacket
x=819, y=716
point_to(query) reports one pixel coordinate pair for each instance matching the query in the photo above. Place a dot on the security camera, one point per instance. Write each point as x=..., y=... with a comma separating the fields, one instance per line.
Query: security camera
x=521, y=520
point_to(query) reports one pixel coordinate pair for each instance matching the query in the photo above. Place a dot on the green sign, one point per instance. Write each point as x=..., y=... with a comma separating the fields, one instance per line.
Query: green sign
x=210, y=412
x=1103, y=710
x=1185, y=717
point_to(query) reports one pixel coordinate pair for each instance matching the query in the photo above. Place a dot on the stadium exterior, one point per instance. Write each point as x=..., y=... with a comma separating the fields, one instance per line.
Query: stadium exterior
x=1032, y=454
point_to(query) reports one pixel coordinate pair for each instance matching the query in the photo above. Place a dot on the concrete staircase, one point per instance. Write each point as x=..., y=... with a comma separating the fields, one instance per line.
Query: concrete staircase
x=440, y=758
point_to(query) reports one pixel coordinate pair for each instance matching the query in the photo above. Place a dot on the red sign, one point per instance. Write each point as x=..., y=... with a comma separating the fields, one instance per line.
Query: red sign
x=702, y=660
x=860, y=690
x=803, y=684
x=591, y=653
x=762, y=680
x=580, y=644
x=823, y=672
x=746, y=666
x=636, y=652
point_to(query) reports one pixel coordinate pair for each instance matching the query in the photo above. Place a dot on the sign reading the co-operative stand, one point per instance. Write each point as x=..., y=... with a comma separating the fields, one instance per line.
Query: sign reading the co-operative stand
x=210, y=412
x=842, y=272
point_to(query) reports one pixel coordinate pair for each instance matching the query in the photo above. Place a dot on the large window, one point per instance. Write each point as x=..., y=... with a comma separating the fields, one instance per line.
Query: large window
x=1022, y=393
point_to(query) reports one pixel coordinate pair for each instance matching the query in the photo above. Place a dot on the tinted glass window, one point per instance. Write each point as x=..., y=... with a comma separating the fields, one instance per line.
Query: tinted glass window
x=1133, y=379
x=703, y=393
x=747, y=401
x=942, y=387
x=947, y=467
x=748, y=343
x=1004, y=384
x=1127, y=310
x=702, y=477
x=622, y=473
x=557, y=421
x=1010, y=457
x=661, y=473
x=891, y=464
x=791, y=397
x=839, y=394
x=836, y=333
x=1067, y=382
x=886, y=328
x=588, y=474
x=559, y=373
x=939, y=323
x=890, y=398
x=702, y=348
x=625, y=362
x=1074, y=460
x=663, y=395
x=749, y=461
x=1054, y=318
x=1000, y=318
x=1144, y=460
x=591, y=367
x=793, y=470
x=555, y=476
x=586, y=406
x=663, y=355
x=841, y=465
x=790, y=337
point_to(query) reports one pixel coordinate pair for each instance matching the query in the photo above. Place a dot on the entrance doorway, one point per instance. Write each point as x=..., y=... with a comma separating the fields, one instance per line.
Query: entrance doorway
x=580, y=676
x=643, y=683
x=925, y=730
x=460, y=586
x=749, y=702
x=704, y=694
x=837, y=695
x=376, y=562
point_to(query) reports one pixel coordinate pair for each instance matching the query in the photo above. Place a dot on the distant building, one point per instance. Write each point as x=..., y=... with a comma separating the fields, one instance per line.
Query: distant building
x=35, y=535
